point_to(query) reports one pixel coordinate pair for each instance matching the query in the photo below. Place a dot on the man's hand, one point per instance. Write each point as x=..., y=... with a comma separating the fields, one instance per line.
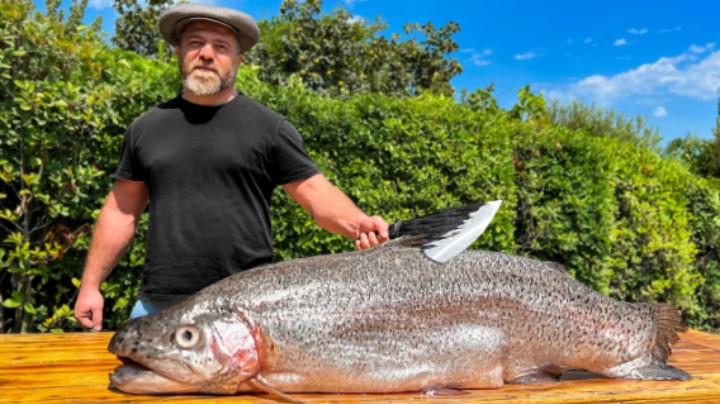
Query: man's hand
x=89, y=308
x=373, y=231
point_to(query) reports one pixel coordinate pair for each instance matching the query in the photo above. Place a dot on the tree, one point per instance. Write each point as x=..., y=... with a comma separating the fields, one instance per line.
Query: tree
x=598, y=122
x=338, y=54
x=334, y=53
x=42, y=164
x=65, y=97
x=702, y=156
x=136, y=29
x=709, y=159
x=689, y=150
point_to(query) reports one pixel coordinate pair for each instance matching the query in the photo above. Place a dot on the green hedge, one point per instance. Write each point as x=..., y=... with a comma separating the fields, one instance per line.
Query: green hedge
x=622, y=219
x=618, y=216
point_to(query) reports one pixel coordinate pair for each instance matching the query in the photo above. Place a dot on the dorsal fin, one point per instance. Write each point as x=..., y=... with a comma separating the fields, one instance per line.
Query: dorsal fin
x=558, y=267
x=445, y=234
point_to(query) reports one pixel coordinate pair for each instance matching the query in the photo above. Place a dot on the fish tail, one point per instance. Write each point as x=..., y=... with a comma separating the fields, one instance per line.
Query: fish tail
x=669, y=324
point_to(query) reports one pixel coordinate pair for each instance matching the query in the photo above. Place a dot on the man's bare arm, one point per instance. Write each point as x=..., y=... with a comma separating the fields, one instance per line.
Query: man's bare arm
x=335, y=212
x=114, y=229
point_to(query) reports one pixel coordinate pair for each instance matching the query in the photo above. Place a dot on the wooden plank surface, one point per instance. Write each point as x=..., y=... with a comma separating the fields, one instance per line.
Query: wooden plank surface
x=74, y=367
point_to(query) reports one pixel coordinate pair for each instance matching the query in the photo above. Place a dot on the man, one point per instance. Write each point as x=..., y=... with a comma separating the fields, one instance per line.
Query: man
x=207, y=163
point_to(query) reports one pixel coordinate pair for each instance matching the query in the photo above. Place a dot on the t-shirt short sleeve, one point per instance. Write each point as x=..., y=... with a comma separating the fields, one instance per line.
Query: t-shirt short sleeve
x=291, y=161
x=128, y=169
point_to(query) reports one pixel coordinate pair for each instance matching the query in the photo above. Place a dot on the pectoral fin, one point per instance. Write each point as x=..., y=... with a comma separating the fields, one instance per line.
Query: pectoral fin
x=545, y=375
x=659, y=372
x=272, y=391
x=442, y=391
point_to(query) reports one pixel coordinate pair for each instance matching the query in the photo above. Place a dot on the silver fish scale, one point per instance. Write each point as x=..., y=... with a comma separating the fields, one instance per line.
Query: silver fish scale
x=389, y=319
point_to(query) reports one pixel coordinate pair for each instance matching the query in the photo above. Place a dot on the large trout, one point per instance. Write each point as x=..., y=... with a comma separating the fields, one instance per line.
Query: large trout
x=389, y=319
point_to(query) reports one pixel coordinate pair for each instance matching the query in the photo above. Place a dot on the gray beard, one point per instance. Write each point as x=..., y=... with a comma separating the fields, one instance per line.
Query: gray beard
x=207, y=83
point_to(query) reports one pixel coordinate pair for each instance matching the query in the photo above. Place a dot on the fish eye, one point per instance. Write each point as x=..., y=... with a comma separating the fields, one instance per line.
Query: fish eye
x=187, y=336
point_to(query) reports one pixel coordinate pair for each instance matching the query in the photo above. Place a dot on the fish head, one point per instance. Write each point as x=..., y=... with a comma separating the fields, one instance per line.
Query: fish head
x=170, y=353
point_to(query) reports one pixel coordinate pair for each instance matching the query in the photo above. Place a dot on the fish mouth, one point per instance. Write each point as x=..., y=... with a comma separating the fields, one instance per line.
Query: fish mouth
x=135, y=378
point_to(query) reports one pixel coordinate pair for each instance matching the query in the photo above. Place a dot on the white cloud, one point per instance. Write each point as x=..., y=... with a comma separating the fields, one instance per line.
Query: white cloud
x=479, y=58
x=702, y=49
x=526, y=56
x=351, y=2
x=635, y=31
x=685, y=75
x=668, y=30
x=660, y=112
x=100, y=4
x=573, y=41
x=620, y=42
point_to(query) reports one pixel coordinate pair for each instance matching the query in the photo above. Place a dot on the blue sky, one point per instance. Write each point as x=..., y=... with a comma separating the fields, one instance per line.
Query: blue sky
x=659, y=59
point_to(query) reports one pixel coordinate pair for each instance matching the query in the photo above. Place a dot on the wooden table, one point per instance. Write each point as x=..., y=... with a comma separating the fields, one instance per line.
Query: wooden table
x=74, y=367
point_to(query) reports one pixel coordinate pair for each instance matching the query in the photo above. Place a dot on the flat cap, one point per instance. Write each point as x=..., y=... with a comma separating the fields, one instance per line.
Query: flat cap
x=174, y=20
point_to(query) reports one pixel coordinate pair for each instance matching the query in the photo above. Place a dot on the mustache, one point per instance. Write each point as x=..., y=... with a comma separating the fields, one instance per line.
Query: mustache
x=204, y=66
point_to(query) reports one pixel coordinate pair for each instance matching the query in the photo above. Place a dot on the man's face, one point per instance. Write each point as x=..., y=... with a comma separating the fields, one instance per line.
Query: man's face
x=209, y=55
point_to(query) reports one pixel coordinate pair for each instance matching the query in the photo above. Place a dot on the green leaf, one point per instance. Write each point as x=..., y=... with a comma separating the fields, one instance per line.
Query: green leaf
x=24, y=105
x=11, y=303
x=29, y=308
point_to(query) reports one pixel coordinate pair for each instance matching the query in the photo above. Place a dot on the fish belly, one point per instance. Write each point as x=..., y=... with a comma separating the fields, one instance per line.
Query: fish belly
x=461, y=356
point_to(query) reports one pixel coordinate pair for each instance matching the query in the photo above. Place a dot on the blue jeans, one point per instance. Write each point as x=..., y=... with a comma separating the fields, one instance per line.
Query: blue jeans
x=145, y=308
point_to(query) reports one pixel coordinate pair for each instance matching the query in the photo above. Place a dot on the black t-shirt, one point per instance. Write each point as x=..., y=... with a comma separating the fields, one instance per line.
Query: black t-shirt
x=210, y=172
